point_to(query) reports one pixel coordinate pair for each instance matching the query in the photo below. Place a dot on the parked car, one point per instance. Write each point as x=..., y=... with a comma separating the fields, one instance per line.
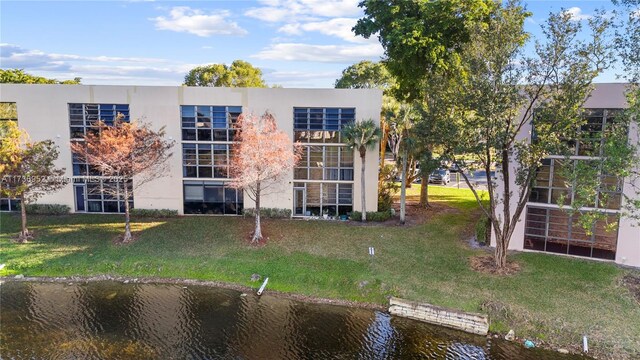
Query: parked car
x=441, y=176
x=454, y=168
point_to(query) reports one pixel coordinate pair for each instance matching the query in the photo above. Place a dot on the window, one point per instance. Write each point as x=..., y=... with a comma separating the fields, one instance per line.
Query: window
x=551, y=187
x=320, y=125
x=325, y=163
x=9, y=204
x=316, y=199
x=83, y=118
x=101, y=195
x=209, y=123
x=8, y=111
x=93, y=192
x=208, y=197
x=205, y=160
x=553, y=230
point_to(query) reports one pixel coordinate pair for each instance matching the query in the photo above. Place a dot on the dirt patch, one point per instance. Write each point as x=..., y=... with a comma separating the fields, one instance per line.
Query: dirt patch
x=632, y=283
x=486, y=265
x=118, y=240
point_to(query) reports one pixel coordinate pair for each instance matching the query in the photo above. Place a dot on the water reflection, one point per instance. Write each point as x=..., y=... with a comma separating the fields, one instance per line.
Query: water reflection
x=104, y=320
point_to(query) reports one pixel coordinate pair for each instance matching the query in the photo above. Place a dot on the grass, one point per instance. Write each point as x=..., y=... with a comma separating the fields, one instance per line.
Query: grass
x=555, y=299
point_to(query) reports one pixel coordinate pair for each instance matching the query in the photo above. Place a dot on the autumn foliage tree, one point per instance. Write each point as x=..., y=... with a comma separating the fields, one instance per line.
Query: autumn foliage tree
x=127, y=154
x=261, y=155
x=27, y=169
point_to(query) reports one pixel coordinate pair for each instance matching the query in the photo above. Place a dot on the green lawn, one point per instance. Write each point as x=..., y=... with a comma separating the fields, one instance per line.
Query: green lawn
x=553, y=298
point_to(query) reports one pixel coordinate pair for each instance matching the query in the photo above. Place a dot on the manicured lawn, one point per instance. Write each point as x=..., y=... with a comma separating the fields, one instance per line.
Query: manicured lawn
x=553, y=298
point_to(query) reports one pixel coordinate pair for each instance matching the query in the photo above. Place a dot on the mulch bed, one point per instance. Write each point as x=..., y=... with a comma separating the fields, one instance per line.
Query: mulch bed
x=485, y=264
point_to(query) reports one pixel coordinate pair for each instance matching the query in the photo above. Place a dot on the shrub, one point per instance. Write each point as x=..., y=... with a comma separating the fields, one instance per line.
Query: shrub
x=483, y=230
x=386, y=187
x=376, y=216
x=47, y=209
x=273, y=213
x=154, y=213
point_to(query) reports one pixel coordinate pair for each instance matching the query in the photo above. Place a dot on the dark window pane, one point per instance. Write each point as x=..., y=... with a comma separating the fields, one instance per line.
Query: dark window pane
x=189, y=134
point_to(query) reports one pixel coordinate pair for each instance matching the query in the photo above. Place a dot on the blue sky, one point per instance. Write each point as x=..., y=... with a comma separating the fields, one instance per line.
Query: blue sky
x=297, y=43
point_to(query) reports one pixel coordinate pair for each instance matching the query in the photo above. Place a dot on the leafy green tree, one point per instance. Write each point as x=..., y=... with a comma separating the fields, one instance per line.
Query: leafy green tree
x=365, y=75
x=18, y=76
x=422, y=37
x=504, y=91
x=361, y=136
x=27, y=169
x=239, y=74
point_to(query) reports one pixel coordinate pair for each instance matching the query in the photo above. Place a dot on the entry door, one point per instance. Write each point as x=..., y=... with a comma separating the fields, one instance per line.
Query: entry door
x=299, y=202
x=80, y=198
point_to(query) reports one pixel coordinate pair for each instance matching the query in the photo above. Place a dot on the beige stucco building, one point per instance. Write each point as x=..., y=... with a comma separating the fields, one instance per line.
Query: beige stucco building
x=200, y=120
x=544, y=227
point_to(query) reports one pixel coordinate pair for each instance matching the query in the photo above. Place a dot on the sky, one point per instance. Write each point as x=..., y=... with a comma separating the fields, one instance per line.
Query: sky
x=296, y=43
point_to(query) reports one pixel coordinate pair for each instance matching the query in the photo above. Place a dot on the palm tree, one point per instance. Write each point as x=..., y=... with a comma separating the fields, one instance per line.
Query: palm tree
x=361, y=136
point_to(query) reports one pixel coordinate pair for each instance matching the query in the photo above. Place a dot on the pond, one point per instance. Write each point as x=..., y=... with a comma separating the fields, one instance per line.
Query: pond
x=112, y=320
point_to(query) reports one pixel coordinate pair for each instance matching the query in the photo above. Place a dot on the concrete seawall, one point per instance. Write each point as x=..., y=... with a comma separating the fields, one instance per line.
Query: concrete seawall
x=469, y=322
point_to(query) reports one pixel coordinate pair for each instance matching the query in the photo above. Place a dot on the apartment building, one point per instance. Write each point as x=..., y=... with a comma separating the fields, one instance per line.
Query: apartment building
x=201, y=122
x=545, y=227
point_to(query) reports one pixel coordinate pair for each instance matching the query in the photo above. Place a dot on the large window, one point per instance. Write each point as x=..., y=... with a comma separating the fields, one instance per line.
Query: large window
x=101, y=195
x=83, y=118
x=205, y=160
x=92, y=191
x=209, y=123
x=324, y=174
x=554, y=230
x=212, y=197
x=320, y=125
x=9, y=112
x=325, y=163
x=315, y=199
x=551, y=187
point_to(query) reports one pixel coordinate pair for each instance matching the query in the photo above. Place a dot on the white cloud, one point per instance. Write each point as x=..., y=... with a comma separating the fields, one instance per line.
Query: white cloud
x=320, y=53
x=576, y=14
x=338, y=27
x=197, y=22
x=303, y=10
x=94, y=69
x=636, y=13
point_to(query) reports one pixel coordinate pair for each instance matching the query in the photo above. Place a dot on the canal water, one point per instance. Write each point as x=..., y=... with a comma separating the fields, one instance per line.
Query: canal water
x=112, y=320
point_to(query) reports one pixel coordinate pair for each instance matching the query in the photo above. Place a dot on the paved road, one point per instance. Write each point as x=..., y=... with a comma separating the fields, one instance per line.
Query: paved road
x=478, y=178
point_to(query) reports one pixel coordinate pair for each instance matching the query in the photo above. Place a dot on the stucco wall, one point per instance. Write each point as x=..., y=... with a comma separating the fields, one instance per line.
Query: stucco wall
x=43, y=112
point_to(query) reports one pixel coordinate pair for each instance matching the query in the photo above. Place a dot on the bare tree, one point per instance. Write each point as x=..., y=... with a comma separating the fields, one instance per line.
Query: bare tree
x=261, y=155
x=128, y=154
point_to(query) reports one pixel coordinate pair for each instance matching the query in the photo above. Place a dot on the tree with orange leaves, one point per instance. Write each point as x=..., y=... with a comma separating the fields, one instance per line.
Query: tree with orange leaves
x=126, y=153
x=261, y=155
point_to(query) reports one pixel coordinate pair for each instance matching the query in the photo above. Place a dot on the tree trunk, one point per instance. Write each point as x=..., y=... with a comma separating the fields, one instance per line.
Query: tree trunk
x=500, y=253
x=257, y=233
x=24, y=233
x=362, y=190
x=403, y=189
x=127, y=221
x=424, y=191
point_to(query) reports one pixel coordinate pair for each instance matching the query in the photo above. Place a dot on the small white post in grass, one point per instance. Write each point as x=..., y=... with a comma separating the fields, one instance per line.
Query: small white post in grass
x=264, y=285
x=372, y=251
x=585, y=344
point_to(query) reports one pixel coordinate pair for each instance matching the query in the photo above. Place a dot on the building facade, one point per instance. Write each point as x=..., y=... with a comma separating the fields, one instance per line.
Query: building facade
x=545, y=227
x=201, y=122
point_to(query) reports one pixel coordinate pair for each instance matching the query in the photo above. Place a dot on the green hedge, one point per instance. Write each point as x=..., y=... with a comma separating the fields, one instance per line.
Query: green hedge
x=371, y=215
x=273, y=213
x=47, y=209
x=154, y=213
